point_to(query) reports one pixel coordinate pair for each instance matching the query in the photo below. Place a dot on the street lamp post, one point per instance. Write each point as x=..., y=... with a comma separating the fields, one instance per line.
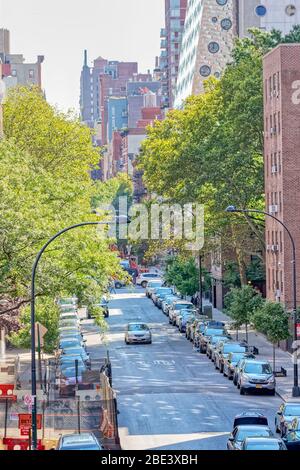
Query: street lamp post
x=233, y=209
x=32, y=318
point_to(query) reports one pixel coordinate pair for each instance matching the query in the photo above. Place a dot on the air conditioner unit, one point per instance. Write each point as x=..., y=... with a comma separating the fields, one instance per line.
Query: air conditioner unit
x=273, y=209
x=274, y=169
x=275, y=248
x=272, y=131
x=269, y=247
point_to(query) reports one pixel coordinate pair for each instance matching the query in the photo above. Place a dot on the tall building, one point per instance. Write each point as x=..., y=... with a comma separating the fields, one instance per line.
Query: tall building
x=267, y=14
x=4, y=41
x=15, y=71
x=282, y=168
x=171, y=37
x=209, y=32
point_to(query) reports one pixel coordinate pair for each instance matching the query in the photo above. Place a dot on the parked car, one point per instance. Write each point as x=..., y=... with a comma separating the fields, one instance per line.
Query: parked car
x=176, y=307
x=68, y=375
x=160, y=298
x=119, y=284
x=70, y=329
x=194, y=329
x=213, y=343
x=263, y=443
x=292, y=435
x=240, y=433
x=71, y=342
x=83, y=441
x=185, y=317
x=78, y=350
x=144, y=278
x=69, y=316
x=138, y=333
x=184, y=313
x=151, y=285
x=68, y=308
x=103, y=305
x=231, y=361
x=205, y=336
x=70, y=361
x=250, y=417
x=70, y=334
x=256, y=375
x=286, y=414
x=167, y=302
x=224, y=349
x=160, y=291
x=75, y=323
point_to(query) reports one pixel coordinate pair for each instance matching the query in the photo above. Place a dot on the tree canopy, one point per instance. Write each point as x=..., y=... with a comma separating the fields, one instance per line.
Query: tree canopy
x=45, y=186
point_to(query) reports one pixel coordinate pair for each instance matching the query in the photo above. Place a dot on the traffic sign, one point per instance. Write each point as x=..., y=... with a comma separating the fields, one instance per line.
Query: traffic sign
x=28, y=400
x=7, y=392
x=25, y=423
x=39, y=328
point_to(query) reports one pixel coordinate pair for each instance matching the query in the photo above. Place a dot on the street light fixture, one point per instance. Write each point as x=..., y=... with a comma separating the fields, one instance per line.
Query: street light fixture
x=233, y=209
x=122, y=219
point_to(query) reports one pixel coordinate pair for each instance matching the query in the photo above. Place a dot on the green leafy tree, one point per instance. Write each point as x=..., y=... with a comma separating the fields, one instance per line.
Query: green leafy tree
x=272, y=320
x=45, y=185
x=241, y=304
x=183, y=274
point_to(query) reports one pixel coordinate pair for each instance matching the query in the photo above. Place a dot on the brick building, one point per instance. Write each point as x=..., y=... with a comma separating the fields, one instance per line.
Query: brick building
x=282, y=167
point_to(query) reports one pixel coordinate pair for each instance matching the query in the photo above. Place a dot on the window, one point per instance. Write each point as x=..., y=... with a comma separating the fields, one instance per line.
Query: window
x=279, y=123
x=261, y=10
x=14, y=73
x=31, y=73
x=226, y=24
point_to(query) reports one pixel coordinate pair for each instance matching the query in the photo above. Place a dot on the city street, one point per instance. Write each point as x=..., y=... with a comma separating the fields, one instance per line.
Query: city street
x=169, y=396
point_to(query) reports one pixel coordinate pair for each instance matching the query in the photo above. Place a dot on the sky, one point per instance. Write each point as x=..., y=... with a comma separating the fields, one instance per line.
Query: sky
x=61, y=30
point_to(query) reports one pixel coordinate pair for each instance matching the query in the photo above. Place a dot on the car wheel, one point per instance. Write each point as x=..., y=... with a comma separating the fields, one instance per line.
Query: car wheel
x=118, y=285
x=144, y=284
x=238, y=385
x=242, y=391
x=277, y=428
x=272, y=393
x=216, y=365
x=234, y=382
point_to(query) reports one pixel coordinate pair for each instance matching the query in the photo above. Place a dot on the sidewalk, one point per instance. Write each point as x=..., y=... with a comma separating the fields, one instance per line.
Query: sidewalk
x=283, y=358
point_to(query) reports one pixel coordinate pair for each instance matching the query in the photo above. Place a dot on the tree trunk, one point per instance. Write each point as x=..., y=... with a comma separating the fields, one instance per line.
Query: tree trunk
x=274, y=357
x=239, y=258
x=246, y=324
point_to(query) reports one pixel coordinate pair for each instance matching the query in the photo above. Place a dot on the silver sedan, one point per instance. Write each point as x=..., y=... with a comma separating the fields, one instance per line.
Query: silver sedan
x=138, y=333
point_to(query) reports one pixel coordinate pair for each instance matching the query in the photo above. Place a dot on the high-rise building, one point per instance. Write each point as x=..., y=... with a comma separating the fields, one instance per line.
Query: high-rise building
x=171, y=37
x=4, y=41
x=209, y=32
x=267, y=14
x=282, y=168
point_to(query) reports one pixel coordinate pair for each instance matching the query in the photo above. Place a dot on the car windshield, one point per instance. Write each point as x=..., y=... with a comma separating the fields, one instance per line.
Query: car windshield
x=236, y=357
x=260, y=431
x=257, y=368
x=75, y=350
x=292, y=410
x=217, y=339
x=80, y=447
x=183, y=307
x=155, y=284
x=212, y=332
x=264, y=446
x=70, y=344
x=137, y=327
x=233, y=348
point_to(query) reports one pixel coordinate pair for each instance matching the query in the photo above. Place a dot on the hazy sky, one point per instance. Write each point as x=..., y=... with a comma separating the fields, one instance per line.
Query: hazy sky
x=62, y=29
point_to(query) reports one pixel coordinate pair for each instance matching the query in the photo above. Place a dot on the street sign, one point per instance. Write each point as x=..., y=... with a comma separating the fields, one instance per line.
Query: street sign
x=25, y=423
x=28, y=400
x=7, y=392
x=20, y=444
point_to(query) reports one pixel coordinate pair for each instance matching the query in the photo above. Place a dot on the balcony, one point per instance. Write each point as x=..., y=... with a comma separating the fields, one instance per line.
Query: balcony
x=163, y=33
x=163, y=44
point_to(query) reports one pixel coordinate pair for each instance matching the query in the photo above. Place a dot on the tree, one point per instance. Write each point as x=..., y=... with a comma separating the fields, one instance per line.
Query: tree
x=241, y=304
x=183, y=274
x=45, y=185
x=272, y=320
x=218, y=140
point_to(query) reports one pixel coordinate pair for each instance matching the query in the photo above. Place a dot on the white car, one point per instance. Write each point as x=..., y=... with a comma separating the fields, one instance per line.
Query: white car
x=144, y=278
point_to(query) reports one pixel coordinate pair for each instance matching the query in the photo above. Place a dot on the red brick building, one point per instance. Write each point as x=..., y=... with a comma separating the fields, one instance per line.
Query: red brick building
x=282, y=168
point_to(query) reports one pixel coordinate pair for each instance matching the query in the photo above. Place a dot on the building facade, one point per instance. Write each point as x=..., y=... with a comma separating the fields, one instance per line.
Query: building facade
x=210, y=29
x=171, y=37
x=282, y=168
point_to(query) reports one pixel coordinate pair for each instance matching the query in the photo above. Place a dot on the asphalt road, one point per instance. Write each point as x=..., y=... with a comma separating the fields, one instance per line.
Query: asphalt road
x=170, y=396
